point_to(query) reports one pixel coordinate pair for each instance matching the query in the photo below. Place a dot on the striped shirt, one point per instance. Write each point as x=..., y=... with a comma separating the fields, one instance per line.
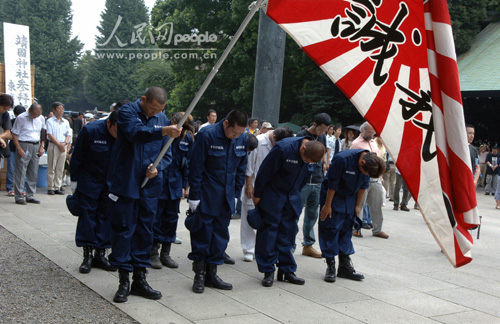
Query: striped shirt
x=60, y=130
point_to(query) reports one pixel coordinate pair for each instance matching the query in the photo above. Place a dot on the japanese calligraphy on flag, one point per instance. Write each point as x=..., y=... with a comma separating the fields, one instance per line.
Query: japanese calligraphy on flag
x=396, y=62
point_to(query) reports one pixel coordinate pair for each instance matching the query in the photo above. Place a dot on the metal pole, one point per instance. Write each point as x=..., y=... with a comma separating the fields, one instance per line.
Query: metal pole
x=254, y=7
x=268, y=70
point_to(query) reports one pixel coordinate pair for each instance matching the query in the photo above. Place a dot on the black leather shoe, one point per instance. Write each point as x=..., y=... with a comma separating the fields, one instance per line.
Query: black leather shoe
x=213, y=280
x=165, y=257
x=330, y=275
x=124, y=287
x=268, y=279
x=100, y=261
x=140, y=286
x=290, y=277
x=86, y=265
x=33, y=201
x=58, y=192
x=50, y=192
x=21, y=202
x=346, y=269
x=228, y=259
x=199, y=277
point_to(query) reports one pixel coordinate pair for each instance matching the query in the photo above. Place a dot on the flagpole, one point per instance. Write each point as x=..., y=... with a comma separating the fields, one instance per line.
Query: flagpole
x=254, y=7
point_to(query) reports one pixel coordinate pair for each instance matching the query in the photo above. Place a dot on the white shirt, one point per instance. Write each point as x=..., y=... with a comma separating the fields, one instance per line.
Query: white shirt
x=59, y=130
x=330, y=143
x=255, y=159
x=203, y=125
x=28, y=129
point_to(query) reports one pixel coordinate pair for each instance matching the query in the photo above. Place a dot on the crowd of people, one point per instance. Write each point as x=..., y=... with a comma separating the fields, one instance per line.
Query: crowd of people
x=128, y=205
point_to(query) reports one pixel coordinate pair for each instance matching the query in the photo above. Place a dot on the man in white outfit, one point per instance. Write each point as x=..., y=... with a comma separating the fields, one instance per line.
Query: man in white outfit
x=255, y=158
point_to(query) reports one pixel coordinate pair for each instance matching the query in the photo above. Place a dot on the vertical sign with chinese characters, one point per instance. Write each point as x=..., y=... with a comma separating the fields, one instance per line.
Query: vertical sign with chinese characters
x=17, y=63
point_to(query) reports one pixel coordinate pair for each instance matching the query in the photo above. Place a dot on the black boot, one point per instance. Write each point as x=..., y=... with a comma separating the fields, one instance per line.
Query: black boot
x=140, y=286
x=165, y=258
x=86, y=265
x=290, y=277
x=346, y=270
x=155, y=256
x=330, y=275
x=124, y=287
x=199, y=277
x=100, y=261
x=213, y=279
x=268, y=279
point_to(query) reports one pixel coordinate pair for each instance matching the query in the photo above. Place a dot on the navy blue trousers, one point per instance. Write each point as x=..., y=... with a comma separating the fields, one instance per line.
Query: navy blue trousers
x=335, y=235
x=210, y=242
x=132, y=223
x=93, y=227
x=275, y=239
x=165, y=227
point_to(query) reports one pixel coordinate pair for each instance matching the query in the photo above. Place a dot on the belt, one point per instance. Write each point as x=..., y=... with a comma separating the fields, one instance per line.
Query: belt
x=34, y=143
x=373, y=180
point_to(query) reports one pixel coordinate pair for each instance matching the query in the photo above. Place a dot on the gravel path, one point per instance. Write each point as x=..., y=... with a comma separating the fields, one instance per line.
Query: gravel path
x=35, y=290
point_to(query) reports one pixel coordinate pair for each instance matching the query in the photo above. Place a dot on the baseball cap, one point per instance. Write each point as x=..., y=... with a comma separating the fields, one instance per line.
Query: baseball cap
x=267, y=125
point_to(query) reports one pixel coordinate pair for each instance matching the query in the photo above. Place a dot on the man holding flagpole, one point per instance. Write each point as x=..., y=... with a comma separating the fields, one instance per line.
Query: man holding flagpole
x=142, y=131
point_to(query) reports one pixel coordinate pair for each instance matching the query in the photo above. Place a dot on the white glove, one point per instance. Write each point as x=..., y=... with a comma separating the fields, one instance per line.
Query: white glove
x=193, y=204
x=72, y=186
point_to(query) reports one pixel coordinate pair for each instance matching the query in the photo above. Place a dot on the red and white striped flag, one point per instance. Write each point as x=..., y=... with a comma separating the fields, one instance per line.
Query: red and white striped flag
x=396, y=62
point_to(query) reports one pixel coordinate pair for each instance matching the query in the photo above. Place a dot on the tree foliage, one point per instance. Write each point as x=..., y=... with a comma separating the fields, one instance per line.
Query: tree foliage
x=53, y=51
x=466, y=19
x=108, y=77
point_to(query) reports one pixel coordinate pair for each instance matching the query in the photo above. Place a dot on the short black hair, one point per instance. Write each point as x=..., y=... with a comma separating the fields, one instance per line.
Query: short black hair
x=282, y=132
x=374, y=165
x=156, y=93
x=120, y=103
x=19, y=109
x=74, y=114
x=211, y=111
x=6, y=100
x=321, y=119
x=57, y=104
x=80, y=113
x=315, y=150
x=469, y=126
x=113, y=117
x=251, y=120
x=237, y=117
x=335, y=127
x=253, y=142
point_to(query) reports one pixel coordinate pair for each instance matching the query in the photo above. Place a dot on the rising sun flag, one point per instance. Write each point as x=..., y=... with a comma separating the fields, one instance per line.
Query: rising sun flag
x=396, y=62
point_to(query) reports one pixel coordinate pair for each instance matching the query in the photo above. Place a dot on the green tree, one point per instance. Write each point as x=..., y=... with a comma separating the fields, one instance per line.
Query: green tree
x=109, y=75
x=78, y=100
x=233, y=85
x=466, y=19
x=53, y=51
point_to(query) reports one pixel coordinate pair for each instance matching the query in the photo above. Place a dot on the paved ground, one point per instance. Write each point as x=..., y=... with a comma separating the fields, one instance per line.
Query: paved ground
x=408, y=279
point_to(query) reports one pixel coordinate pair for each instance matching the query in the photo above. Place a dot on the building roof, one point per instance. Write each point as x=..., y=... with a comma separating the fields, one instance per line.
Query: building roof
x=478, y=67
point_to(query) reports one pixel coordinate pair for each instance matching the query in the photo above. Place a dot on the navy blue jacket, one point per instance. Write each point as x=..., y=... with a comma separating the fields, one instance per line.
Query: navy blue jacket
x=138, y=145
x=217, y=168
x=90, y=159
x=281, y=176
x=346, y=179
x=175, y=175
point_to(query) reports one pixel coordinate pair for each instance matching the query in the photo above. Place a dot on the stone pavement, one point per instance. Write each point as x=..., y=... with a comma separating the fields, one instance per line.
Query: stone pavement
x=408, y=279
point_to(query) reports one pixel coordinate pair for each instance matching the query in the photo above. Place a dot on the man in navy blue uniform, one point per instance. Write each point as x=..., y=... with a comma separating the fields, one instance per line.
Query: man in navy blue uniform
x=281, y=176
x=88, y=168
x=175, y=177
x=341, y=196
x=216, y=176
x=142, y=131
